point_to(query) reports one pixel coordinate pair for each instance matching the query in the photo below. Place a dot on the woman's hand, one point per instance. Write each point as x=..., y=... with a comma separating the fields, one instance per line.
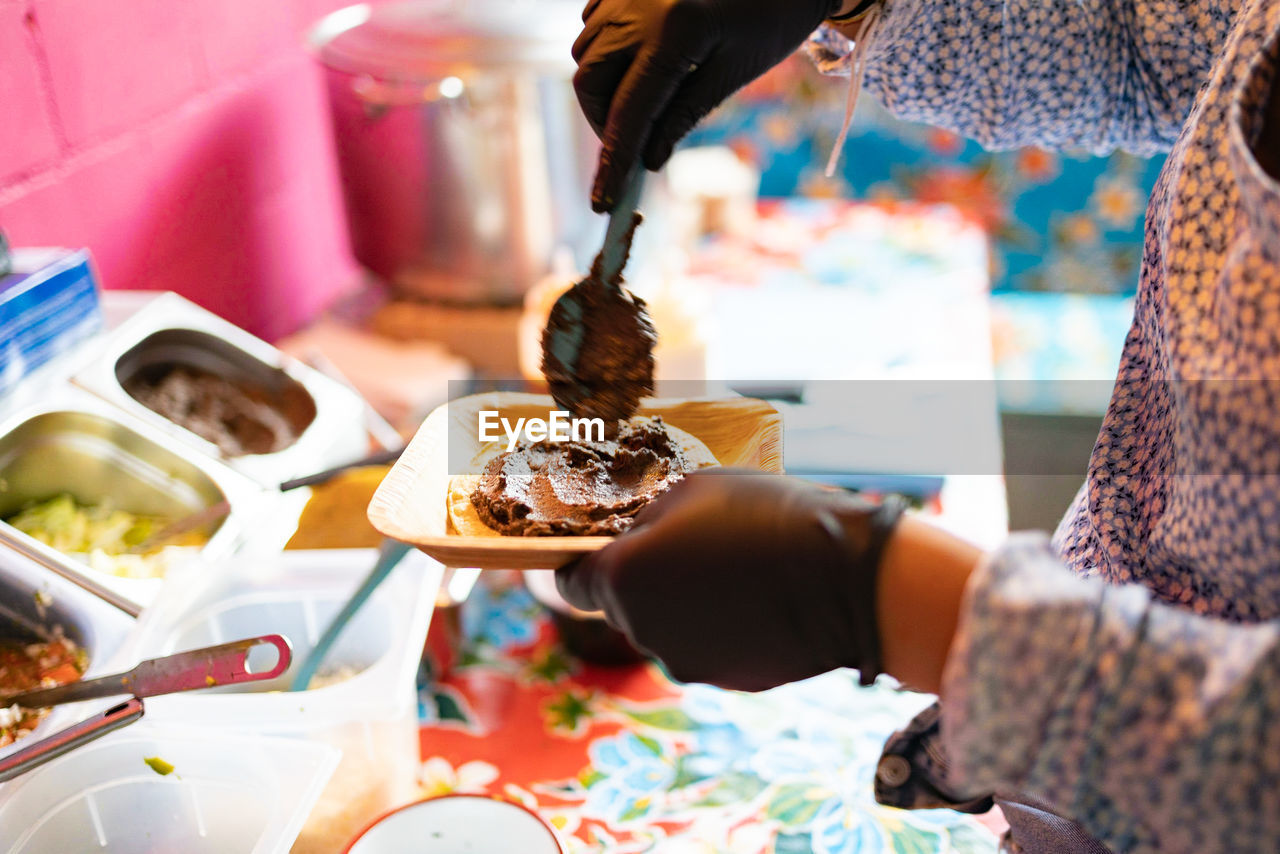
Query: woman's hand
x=649, y=70
x=744, y=580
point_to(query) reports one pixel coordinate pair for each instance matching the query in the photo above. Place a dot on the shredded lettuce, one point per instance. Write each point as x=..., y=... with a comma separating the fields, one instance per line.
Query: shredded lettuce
x=68, y=526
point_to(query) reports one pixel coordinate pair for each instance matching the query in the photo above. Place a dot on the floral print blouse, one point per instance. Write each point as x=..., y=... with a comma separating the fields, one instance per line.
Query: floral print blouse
x=1128, y=671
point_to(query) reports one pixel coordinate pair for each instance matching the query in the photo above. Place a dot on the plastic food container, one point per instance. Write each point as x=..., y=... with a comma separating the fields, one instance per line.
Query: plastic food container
x=74, y=443
x=369, y=711
x=232, y=793
x=322, y=416
x=33, y=604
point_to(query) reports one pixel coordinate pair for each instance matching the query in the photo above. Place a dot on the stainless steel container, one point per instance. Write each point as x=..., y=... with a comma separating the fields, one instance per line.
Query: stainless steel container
x=34, y=603
x=465, y=159
x=327, y=417
x=161, y=351
x=74, y=443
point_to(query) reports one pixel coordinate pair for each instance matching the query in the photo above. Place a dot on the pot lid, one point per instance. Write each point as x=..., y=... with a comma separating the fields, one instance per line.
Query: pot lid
x=430, y=39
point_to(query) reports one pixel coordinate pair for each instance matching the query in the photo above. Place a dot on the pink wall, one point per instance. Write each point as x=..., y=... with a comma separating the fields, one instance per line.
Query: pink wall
x=185, y=142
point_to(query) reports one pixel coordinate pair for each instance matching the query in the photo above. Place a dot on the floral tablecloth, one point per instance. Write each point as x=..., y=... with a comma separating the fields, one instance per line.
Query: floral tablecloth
x=622, y=759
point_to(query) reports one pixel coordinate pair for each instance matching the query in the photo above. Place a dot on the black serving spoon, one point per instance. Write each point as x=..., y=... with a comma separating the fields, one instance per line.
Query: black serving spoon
x=597, y=348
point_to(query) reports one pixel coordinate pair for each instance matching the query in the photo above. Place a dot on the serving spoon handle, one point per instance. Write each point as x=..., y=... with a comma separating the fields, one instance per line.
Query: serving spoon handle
x=613, y=255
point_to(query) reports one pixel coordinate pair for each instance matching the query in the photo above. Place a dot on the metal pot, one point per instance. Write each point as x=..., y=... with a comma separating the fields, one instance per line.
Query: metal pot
x=465, y=159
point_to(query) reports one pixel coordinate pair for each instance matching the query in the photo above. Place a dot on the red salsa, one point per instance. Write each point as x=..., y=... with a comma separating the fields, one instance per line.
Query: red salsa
x=27, y=666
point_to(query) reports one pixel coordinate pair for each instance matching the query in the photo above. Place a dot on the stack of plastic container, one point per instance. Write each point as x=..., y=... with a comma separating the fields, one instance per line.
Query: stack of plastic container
x=363, y=701
x=242, y=793
x=253, y=771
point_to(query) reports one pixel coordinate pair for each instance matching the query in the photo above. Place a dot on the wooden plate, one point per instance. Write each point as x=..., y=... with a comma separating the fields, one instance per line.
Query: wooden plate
x=410, y=504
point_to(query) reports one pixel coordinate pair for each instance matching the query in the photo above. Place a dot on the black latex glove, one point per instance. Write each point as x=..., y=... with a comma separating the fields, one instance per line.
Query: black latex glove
x=743, y=580
x=648, y=70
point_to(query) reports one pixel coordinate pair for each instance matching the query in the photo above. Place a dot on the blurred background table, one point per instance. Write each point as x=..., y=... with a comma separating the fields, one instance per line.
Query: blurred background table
x=869, y=326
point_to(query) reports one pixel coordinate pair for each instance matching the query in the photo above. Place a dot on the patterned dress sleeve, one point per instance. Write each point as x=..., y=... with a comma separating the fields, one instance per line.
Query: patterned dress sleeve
x=1083, y=74
x=1131, y=716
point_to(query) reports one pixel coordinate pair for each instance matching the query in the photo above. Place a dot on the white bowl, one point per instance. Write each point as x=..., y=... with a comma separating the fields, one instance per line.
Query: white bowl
x=453, y=824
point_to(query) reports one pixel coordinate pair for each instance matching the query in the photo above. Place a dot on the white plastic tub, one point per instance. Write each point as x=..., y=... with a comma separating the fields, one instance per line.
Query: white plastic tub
x=371, y=716
x=228, y=794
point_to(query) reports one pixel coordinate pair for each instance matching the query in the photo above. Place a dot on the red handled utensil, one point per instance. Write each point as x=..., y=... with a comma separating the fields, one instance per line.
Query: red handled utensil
x=225, y=664
x=31, y=756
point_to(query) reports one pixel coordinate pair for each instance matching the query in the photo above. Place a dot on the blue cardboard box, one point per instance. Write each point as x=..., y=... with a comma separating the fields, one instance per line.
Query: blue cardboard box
x=48, y=303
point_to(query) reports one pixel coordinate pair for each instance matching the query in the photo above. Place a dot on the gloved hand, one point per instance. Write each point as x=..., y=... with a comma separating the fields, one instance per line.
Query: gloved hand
x=744, y=580
x=648, y=70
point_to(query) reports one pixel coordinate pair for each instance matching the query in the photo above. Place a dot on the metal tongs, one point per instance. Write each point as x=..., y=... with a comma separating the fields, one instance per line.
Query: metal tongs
x=225, y=664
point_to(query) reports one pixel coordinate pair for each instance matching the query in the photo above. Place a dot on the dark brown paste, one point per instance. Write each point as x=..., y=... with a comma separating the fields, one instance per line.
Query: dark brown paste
x=597, y=349
x=579, y=488
x=238, y=419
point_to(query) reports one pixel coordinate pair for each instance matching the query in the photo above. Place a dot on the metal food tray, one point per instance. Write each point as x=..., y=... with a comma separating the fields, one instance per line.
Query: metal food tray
x=174, y=328
x=74, y=442
x=33, y=603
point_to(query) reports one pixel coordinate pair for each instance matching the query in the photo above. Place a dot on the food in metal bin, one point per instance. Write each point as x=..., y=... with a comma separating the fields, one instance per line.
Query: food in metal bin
x=575, y=488
x=27, y=666
x=335, y=515
x=332, y=676
x=102, y=535
x=237, y=417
